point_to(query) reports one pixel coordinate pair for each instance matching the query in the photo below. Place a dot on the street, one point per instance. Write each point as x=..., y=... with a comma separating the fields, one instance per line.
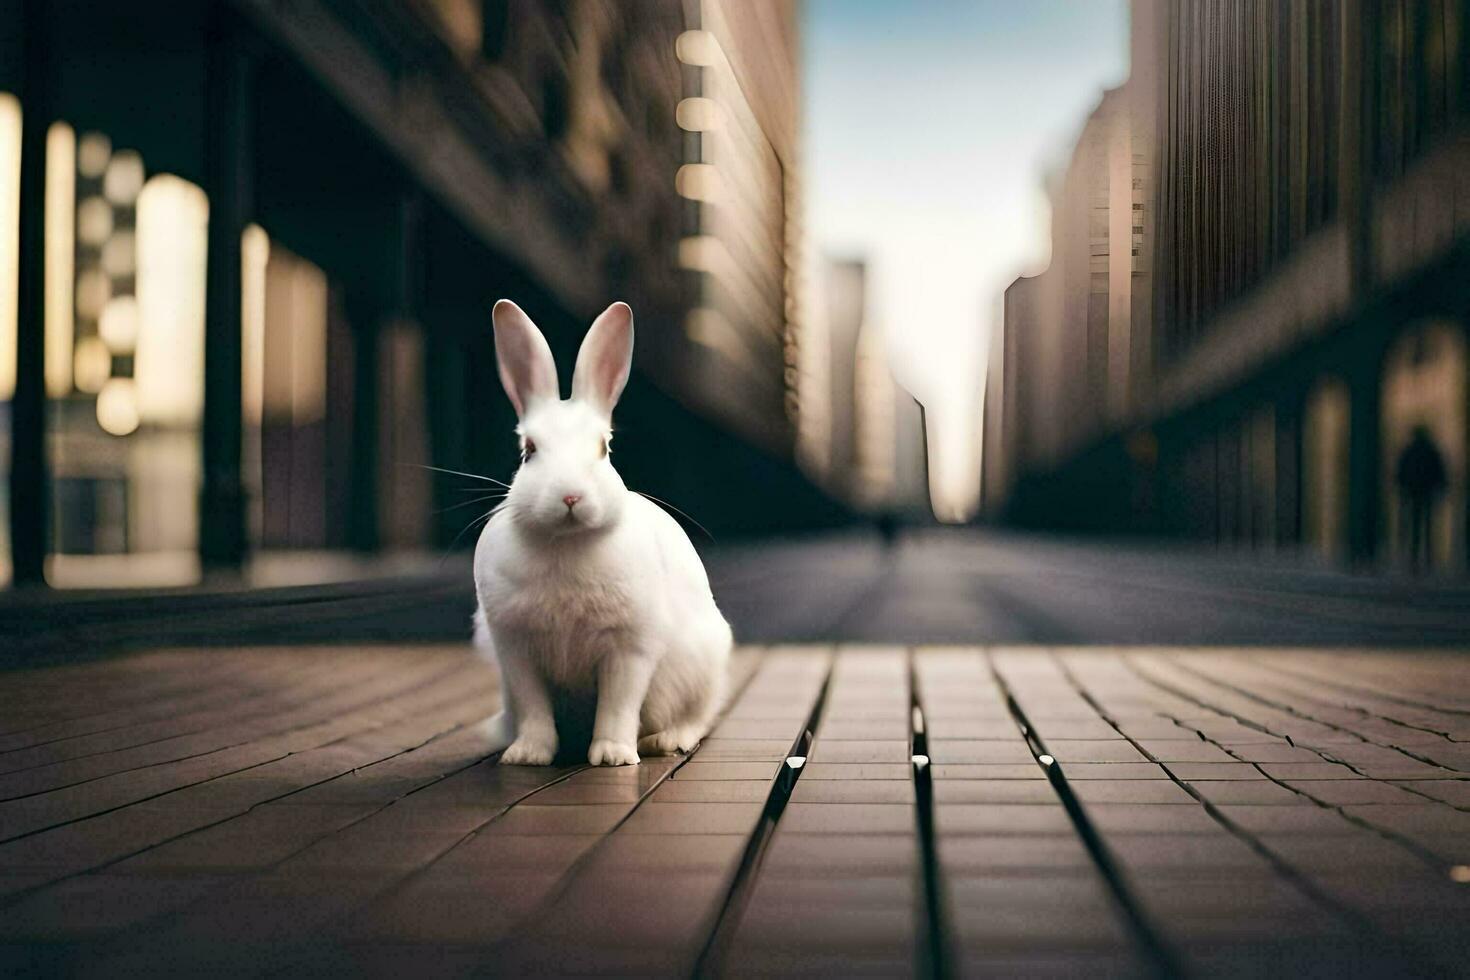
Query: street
x=964, y=586
x=974, y=755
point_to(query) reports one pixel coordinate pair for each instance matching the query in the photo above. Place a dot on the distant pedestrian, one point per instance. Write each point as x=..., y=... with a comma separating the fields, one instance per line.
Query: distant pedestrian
x=886, y=523
x=1421, y=480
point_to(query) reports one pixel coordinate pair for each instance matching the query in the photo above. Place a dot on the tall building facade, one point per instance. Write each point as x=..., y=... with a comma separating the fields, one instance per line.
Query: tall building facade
x=868, y=444
x=248, y=252
x=1305, y=227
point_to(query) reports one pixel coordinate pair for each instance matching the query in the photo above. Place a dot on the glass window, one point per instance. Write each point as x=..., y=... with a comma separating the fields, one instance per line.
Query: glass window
x=125, y=273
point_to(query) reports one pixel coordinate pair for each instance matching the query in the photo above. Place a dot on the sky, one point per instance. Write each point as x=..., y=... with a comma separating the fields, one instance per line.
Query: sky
x=929, y=126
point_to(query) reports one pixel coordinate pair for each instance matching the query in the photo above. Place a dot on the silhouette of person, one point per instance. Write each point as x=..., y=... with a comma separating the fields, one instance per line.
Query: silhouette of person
x=1421, y=479
x=887, y=525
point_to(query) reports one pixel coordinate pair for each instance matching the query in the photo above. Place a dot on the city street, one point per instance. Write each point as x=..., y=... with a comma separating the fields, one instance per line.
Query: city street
x=973, y=755
x=981, y=587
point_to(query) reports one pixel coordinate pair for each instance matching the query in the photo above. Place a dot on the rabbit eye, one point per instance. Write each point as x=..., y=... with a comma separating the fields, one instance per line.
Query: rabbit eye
x=602, y=449
x=528, y=449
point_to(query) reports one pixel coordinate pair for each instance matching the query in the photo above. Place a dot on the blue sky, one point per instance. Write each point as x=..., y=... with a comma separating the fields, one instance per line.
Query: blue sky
x=929, y=125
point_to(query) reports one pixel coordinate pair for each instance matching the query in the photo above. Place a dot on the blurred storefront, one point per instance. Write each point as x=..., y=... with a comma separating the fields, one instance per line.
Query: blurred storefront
x=1301, y=233
x=248, y=250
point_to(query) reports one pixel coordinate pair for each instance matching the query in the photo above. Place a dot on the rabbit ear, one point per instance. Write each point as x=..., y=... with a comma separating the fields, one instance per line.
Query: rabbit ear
x=605, y=358
x=526, y=368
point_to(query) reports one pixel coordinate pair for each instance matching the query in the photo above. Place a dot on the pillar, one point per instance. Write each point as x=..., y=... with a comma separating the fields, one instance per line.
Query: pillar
x=30, y=483
x=229, y=180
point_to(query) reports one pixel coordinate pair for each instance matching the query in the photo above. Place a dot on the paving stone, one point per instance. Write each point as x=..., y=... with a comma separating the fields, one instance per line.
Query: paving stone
x=655, y=817
x=1010, y=854
x=820, y=916
x=678, y=853
x=961, y=728
x=1113, y=770
x=863, y=771
x=1354, y=791
x=1093, y=750
x=848, y=818
x=997, y=912
x=852, y=791
x=714, y=791
x=97, y=904
x=700, y=769
x=1215, y=770
x=1131, y=791
x=987, y=770
x=836, y=750
x=1237, y=791
x=1361, y=851
x=840, y=855
x=972, y=751
x=1150, y=818
x=1001, y=818
x=590, y=818
x=1455, y=792
x=1292, y=771
x=1277, y=751
x=1190, y=855
x=1271, y=819
x=994, y=791
x=485, y=853
x=1178, y=750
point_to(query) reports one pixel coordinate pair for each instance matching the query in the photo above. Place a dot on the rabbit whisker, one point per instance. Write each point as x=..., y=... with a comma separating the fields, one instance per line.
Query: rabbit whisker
x=483, y=517
x=466, y=503
x=473, y=476
x=669, y=506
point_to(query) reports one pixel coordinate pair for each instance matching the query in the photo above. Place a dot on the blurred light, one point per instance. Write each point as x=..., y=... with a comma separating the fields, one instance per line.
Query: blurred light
x=93, y=365
x=698, y=115
x=1460, y=873
x=919, y=761
x=173, y=219
x=295, y=349
x=709, y=327
x=698, y=48
x=698, y=182
x=702, y=253
x=92, y=155
x=795, y=761
x=117, y=407
x=94, y=289
x=9, y=237
x=60, y=248
x=118, y=325
x=94, y=221
x=255, y=253
x=119, y=255
x=124, y=177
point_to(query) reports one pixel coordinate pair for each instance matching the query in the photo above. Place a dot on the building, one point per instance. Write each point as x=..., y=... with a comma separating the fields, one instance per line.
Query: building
x=1305, y=229
x=872, y=444
x=248, y=254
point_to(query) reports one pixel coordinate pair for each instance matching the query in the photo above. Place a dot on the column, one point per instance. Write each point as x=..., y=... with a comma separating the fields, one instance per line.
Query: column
x=30, y=475
x=229, y=178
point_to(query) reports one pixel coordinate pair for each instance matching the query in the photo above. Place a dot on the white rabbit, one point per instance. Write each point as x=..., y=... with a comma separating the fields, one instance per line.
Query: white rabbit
x=587, y=590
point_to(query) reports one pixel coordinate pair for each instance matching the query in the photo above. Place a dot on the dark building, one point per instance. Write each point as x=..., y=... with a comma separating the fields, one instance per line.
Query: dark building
x=248, y=251
x=1307, y=206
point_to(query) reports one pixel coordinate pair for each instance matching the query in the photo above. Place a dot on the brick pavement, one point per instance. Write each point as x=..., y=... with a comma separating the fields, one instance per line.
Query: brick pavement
x=861, y=811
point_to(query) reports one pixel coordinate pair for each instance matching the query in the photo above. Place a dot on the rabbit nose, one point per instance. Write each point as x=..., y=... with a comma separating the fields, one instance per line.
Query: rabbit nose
x=571, y=500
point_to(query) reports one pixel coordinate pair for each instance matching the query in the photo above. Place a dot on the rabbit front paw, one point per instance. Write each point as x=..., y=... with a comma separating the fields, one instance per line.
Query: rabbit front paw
x=681, y=738
x=606, y=752
x=529, y=751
